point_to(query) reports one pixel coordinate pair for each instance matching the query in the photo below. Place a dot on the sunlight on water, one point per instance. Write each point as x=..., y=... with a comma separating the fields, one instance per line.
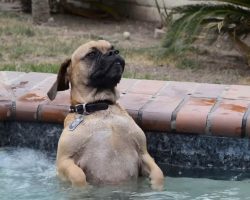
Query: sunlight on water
x=27, y=174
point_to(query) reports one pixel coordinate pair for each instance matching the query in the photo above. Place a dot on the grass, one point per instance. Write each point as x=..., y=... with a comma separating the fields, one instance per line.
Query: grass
x=145, y=56
x=26, y=47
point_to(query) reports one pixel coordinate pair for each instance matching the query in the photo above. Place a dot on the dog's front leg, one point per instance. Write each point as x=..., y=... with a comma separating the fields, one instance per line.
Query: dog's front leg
x=155, y=173
x=68, y=169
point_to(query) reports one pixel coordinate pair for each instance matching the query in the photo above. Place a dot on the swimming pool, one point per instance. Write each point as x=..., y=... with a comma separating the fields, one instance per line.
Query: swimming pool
x=197, y=167
x=28, y=174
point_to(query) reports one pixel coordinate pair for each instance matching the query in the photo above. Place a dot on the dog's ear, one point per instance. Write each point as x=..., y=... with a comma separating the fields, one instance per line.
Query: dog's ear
x=62, y=81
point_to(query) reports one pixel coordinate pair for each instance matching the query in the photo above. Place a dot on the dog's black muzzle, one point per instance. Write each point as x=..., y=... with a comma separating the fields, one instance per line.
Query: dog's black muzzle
x=108, y=70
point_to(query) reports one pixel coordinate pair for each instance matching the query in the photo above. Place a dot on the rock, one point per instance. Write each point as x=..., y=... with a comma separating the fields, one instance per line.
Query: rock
x=126, y=35
x=51, y=20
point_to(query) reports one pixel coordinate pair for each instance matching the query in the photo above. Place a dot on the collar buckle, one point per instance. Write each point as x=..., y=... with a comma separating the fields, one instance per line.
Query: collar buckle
x=80, y=109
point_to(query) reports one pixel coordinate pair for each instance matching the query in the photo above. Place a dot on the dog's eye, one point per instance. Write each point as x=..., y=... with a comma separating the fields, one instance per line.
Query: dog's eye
x=116, y=52
x=91, y=54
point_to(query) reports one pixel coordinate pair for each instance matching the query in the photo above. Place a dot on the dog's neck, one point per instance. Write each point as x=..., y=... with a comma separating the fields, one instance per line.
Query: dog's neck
x=83, y=95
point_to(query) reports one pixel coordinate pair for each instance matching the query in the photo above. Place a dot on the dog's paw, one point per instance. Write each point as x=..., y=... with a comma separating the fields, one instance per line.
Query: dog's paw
x=79, y=185
x=157, y=186
x=157, y=180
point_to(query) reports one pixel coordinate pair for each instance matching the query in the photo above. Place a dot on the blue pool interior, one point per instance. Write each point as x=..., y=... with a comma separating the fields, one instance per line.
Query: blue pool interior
x=28, y=174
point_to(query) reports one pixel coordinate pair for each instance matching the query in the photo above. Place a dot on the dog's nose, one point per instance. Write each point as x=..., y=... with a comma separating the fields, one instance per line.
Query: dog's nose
x=113, y=52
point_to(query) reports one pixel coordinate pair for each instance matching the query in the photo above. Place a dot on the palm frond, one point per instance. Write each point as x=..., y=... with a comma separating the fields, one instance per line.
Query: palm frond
x=194, y=18
x=245, y=3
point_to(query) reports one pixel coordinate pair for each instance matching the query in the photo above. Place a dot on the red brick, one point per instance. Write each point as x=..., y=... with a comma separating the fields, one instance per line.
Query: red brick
x=27, y=105
x=56, y=110
x=134, y=102
x=53, y=113
x=192, y=117
x=157, y=114
x=226, y=120
x=26, y=111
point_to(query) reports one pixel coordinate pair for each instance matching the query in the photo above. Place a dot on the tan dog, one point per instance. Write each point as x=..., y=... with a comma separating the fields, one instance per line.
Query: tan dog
x=100, y=143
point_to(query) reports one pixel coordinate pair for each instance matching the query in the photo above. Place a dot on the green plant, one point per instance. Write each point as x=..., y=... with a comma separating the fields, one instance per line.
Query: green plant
x=165, y=15
x=213, y=17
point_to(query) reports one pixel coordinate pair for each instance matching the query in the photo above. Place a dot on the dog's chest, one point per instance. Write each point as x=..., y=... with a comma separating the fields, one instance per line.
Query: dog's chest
x=111, y=154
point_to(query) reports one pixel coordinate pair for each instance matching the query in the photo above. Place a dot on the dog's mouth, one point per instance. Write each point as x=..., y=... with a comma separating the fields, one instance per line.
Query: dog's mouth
x=107, y=73
x=116, y=69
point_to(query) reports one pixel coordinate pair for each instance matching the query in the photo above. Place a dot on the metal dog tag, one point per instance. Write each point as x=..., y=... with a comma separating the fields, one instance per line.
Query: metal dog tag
x=79, y=119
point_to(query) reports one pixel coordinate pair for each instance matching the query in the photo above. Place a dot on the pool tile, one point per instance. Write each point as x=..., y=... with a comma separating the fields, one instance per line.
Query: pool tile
x=181, y=89
x=226, y=120
x=150, y=103
x=62, y=99
x=247, y=128
x=126, y=84
x=192, y=116
x=26, y=111
x=31, y=97
x=56, y=110
x=31, y=81
x=209, y=90
x=6, y=111
x=237, y=92
x=52, y=113
x=150, y=87
x=5, y=92
x=157, y=114
x=134, y=115
x=133, y=103
x=8, y=77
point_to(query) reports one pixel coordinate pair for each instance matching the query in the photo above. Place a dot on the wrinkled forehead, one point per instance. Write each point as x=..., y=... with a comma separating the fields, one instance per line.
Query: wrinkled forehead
x=84, y=49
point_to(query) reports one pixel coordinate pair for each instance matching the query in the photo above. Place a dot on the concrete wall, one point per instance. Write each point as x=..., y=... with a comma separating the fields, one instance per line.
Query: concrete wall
x=146, y=9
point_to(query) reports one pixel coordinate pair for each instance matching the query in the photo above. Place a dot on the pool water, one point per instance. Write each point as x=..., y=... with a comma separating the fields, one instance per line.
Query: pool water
x=27, y=174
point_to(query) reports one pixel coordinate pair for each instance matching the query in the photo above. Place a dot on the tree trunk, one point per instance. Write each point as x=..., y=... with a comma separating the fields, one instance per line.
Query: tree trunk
x=40, y=11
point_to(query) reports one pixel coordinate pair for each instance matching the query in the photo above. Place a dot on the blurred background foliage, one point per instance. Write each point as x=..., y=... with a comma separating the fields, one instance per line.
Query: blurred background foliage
x=207, y=20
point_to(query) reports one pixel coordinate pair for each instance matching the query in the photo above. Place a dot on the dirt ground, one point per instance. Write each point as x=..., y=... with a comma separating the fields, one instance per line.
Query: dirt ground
x=212, y=65
x=216, y=64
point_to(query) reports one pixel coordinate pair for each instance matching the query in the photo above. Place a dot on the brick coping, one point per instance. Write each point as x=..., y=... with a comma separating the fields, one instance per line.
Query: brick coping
x=161, y=106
